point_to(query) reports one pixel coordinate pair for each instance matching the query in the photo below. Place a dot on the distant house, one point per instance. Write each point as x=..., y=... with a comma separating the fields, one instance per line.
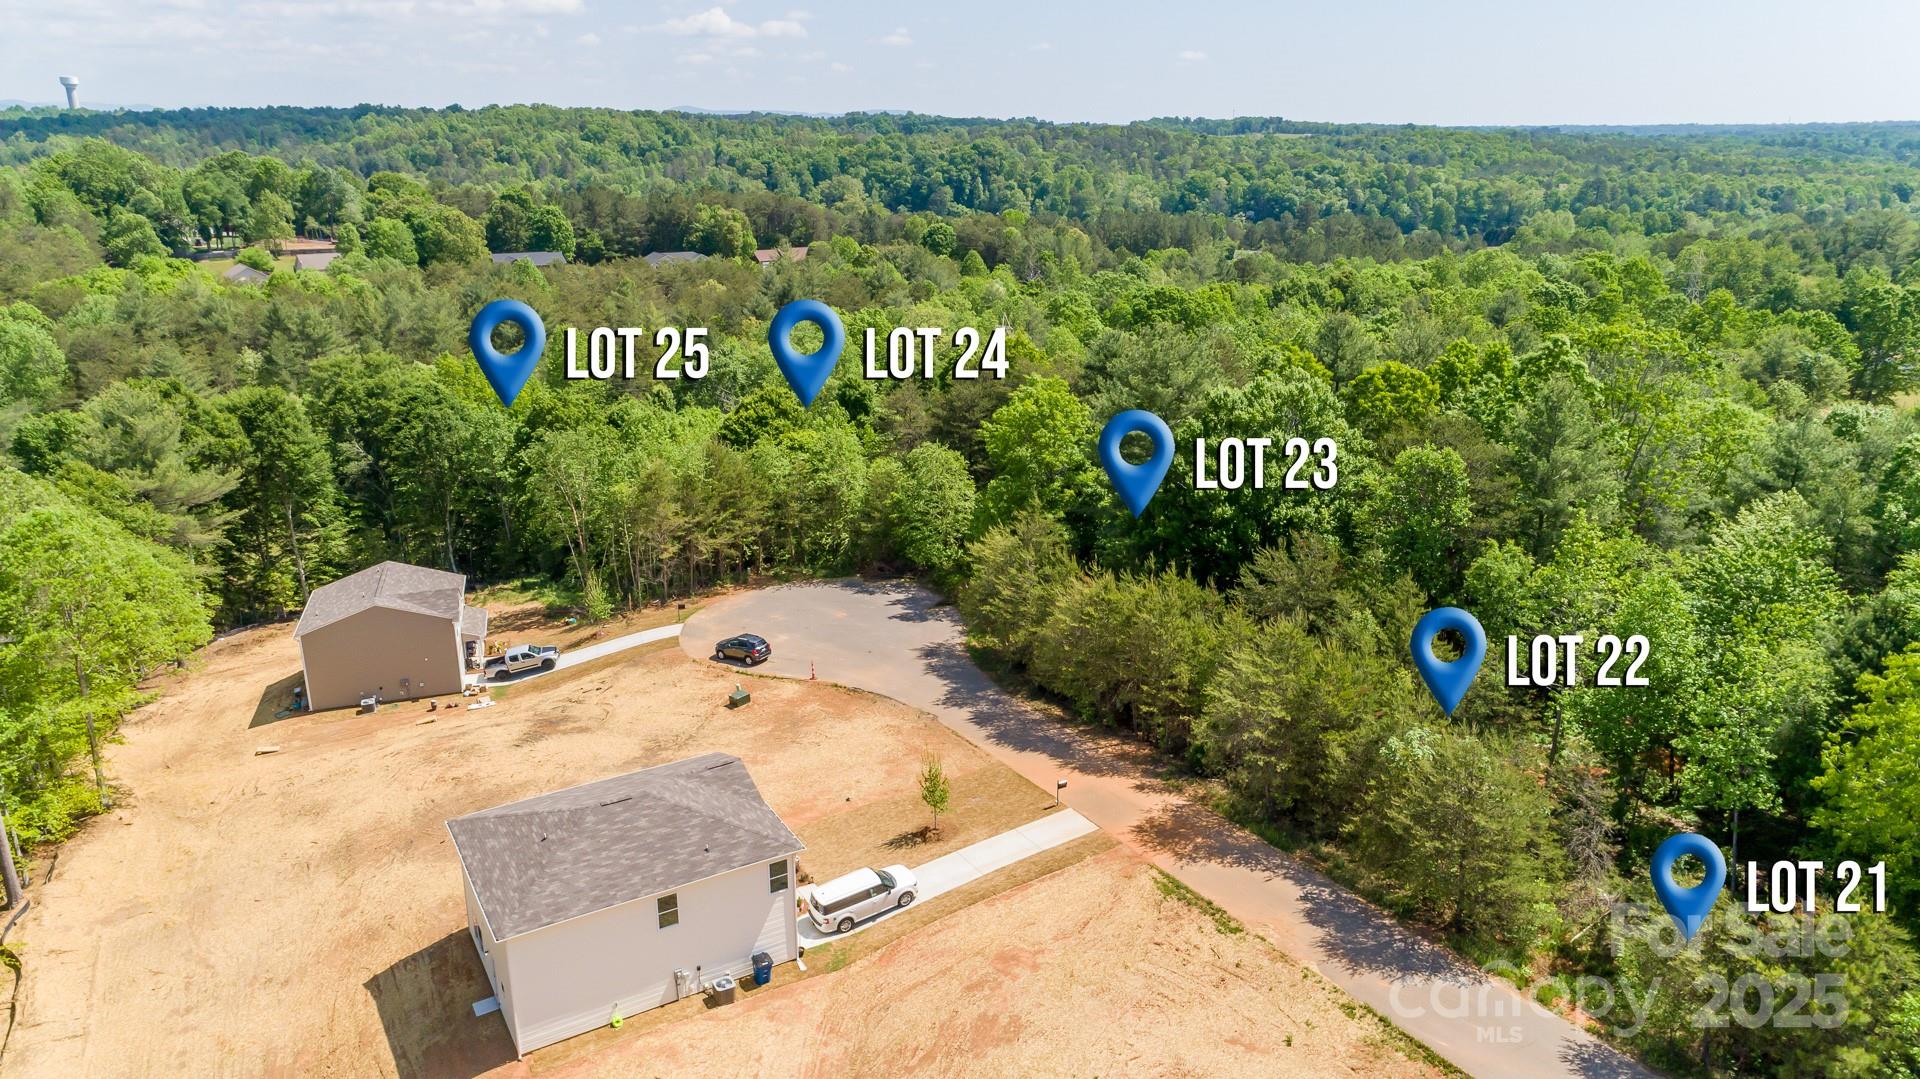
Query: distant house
x=241, y=274
x=625, y=894
x=300, y=245
x=663, y=258
x=317, y=260
x=538, y=258
x=391, y=631
x=768, y=255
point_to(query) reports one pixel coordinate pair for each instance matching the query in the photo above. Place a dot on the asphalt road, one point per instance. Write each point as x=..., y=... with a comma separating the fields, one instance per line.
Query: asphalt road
x=891, y=638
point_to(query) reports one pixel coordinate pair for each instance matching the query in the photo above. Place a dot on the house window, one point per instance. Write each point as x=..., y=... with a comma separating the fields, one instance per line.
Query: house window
x=777, y=876
x=669, y=906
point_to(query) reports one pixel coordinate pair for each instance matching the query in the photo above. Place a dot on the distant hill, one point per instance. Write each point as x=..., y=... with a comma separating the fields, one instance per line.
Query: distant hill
x=16, y=103
x=1149, y=184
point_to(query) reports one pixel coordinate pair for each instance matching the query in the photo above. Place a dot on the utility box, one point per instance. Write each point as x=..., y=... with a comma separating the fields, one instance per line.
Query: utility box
x=738, y=697
x=723, y=989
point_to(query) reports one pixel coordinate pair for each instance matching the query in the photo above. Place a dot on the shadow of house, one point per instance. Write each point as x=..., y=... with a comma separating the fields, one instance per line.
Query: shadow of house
x=276, y=702
x=426, y=1002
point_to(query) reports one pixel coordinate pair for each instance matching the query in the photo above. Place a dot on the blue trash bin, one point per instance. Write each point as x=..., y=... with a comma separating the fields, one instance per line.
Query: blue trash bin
x=762, y=968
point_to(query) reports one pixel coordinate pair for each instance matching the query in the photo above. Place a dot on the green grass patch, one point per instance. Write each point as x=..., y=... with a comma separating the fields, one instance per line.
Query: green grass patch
x=1173, y=889
x=555, y=596
x=1412, y=1046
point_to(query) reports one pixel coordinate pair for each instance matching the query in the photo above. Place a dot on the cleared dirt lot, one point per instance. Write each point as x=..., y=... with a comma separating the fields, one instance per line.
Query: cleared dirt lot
x=1088, y=971
x=300, y=913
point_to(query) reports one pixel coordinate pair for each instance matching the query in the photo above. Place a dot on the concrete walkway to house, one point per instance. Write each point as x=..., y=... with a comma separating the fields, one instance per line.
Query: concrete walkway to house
x=950, y=871
x=587, y=655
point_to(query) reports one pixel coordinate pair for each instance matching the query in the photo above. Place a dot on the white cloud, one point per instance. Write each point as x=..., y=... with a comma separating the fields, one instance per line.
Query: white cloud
x=329, y=9
x=398, y=9
x=470, y=8
x=1041, y=46
x=588, y=39
x=899, y=39
x=715, y=22
x=1191, y=56
x=840, y=67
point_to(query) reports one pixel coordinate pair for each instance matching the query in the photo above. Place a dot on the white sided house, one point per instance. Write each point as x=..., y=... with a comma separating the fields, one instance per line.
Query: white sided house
x=391, y=631
x=624, y=894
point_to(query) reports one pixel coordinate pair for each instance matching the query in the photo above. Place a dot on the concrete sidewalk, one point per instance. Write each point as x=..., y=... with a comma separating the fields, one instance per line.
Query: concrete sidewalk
x=587, y=654
x=950, y=871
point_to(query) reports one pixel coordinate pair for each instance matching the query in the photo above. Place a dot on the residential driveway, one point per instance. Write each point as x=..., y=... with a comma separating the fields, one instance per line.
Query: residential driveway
x=588, y=654
x=891, y=638
x=969, y=863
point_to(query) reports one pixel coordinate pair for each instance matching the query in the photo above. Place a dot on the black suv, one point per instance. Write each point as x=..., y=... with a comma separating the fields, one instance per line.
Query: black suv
x=748, y=648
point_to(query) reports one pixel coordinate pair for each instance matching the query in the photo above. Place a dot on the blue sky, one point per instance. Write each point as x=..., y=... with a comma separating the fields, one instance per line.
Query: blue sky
x=1462, y=63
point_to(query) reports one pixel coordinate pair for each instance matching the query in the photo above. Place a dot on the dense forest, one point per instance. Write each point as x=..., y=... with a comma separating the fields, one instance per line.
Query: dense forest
x=1581, y=382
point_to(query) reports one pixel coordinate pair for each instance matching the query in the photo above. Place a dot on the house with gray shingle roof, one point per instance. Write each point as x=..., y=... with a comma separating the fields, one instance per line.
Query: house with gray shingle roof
x=625, y=894
x=670, y=258
x=390, y=632
x=315, y=260
x=242, y=274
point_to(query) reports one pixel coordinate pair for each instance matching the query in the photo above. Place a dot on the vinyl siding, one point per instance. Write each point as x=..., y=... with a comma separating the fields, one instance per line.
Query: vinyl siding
x=374, y=650
x=569, y=978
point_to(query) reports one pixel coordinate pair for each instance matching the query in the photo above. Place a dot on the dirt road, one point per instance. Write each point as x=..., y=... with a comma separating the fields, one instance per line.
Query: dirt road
x=891, y=638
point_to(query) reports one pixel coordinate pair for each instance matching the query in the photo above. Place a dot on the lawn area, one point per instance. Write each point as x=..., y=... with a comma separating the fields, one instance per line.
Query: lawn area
x=220, y=266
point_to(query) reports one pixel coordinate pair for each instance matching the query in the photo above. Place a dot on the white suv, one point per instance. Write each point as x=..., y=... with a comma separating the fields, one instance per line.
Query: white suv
x=842, y=901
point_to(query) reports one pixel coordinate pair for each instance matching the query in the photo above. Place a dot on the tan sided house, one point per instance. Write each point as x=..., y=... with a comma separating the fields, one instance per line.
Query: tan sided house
x=625, y=894
x=391, y=631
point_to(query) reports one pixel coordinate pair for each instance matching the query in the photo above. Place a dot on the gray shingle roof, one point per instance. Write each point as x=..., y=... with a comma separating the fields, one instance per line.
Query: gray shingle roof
x=315, y=260
x=538, y=258
x=396, y=585
x=557, y=856
x=473, y=621
x=663, y=258
x=242, y=274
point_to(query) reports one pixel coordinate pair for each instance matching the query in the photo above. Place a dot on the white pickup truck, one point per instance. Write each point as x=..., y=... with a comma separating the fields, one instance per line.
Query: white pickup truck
x=522, y=657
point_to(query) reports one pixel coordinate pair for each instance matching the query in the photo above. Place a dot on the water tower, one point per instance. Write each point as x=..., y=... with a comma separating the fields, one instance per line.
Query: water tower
x=73, y=85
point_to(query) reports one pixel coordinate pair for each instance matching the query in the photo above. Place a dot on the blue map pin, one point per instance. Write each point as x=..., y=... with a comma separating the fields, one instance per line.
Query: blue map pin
x=1688, y=907
x=1448, y=682
x=507, y=374
x=806, y=373
x=1136, y=483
